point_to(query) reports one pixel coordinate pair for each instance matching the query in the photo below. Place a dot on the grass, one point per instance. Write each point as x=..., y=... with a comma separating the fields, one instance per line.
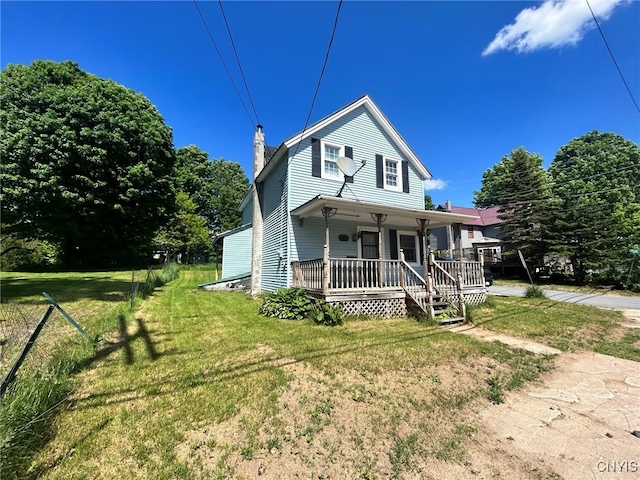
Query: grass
x=44, y=382
x=565, y=326
x=197, y=384
x=566, y=287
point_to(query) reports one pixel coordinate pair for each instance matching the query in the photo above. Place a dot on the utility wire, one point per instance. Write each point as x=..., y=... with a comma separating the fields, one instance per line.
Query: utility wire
x=224, y=64
x=324, y=65
x=238, y=60
x=612, y=57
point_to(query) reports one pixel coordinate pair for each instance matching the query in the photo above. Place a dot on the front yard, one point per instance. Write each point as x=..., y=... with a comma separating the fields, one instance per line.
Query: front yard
x=200, y=385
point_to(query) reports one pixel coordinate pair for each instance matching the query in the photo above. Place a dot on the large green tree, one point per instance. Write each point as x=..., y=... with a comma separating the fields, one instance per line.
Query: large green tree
x=521, y=188
x=185, y=233
x=87, y=163
x=597, y=181
x=216, y=186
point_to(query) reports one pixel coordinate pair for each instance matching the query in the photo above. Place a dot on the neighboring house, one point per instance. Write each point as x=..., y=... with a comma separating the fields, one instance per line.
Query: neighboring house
x=479, y=238
x=306, y=224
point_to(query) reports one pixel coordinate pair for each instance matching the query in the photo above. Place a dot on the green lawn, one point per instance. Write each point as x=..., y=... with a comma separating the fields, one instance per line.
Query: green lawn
x=198, y=385
x=568, y=327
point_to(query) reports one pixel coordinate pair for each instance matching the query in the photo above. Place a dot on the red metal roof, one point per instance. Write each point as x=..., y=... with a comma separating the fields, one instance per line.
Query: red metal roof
x=488, y=216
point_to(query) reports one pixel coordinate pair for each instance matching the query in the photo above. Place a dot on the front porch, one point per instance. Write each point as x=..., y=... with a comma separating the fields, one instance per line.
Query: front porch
x=392, y=288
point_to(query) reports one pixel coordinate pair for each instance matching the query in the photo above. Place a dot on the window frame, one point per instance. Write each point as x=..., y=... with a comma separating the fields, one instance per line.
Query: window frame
x=323, y=173
x=398, y=174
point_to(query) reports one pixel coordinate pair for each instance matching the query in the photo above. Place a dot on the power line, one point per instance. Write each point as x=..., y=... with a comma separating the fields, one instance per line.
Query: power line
x=324, y=65
x=612, y=57
x=223, y=63
x=238, y=60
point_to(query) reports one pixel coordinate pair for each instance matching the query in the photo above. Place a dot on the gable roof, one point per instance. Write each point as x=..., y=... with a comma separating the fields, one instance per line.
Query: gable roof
x=486, y=216
x=366, y=102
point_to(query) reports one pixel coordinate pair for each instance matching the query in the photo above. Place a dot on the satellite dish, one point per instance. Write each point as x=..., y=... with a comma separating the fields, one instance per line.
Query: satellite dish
x=347, y=166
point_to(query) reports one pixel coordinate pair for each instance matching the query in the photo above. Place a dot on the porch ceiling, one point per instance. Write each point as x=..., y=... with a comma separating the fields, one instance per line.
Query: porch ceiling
x=360, y=212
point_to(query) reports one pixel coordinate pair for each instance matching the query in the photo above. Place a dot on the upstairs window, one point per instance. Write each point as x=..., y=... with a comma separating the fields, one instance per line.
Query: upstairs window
x=392, y=174
x=470, y=231
x=330, y=154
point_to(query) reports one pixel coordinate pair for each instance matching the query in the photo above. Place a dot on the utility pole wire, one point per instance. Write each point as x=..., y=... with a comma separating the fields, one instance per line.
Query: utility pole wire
x=223, y=63
x=238, y=60
x=612, y=57
x=324, y=65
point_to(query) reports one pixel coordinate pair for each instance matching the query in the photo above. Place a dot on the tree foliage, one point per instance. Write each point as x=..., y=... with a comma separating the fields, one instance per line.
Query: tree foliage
x=597, y=182
x=87, y=163
x=186, y=232
x=522, y=189
x=428, y=202
x=216, y=186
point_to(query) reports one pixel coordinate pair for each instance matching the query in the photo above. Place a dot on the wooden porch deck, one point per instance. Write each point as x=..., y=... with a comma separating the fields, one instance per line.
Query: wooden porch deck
x=392, y=284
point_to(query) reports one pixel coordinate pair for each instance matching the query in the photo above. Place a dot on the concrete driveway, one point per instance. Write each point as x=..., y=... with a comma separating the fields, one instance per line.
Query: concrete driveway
x=596, y=300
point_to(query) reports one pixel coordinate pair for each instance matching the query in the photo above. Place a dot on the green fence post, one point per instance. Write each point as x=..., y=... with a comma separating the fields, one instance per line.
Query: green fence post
x=11, y=374
x=68, y=317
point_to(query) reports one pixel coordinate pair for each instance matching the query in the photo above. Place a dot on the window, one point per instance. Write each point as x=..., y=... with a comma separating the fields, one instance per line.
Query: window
x=408, y=246
x=330, y=155
x=470, y=231
x=392, y=178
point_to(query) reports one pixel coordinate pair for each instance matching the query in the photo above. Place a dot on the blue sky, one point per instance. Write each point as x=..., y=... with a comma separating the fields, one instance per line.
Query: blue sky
x=463, y=82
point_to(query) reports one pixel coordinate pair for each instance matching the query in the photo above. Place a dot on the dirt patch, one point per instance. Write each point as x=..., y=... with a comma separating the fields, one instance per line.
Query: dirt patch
x=579, y=422
x=413, y=423
x=514, y=342
x=632, y=318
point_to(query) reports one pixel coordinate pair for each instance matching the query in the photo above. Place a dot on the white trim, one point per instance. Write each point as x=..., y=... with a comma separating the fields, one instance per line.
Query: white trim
x=323, y=173
x=386, y=125
x=398, y=186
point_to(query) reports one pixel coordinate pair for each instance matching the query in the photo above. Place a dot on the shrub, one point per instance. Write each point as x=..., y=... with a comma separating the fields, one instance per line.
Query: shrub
x=534, y=291
x=286, y=303
x=328, y=315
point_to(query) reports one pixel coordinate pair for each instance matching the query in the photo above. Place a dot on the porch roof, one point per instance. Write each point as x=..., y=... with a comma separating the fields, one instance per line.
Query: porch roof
x=358, y=209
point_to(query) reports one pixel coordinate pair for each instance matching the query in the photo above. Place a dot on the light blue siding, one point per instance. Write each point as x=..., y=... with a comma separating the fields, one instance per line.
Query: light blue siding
x=247, y=212
x=236, y=253
x=274, y=240
x=360, y=131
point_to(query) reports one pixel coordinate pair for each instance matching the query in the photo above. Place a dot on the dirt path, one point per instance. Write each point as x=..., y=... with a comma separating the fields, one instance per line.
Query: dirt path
x=578, y=422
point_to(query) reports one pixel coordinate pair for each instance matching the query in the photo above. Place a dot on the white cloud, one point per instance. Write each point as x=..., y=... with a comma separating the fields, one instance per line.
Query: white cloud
x=553, y=24
x=433, y=184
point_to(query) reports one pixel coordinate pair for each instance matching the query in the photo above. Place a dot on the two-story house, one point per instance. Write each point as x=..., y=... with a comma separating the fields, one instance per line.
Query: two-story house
x=358, y=240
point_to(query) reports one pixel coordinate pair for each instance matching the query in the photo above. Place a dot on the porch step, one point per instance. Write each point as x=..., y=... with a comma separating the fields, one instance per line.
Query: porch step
x=446, y=322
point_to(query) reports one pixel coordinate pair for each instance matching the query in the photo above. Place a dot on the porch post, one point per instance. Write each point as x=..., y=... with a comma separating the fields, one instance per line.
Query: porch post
x=402, y=270
x=461, y=304
x=459, y=240
x=325, y=270
x=423, y=222
x=379, y=218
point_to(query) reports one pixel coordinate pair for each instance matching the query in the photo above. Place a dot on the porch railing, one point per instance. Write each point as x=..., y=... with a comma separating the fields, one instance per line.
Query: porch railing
x=347, y=274
x=472, y=273
x=359, y=274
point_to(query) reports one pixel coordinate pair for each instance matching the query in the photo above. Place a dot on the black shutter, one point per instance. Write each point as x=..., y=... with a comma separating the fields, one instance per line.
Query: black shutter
x=379, y=172
x=393, y=244
x=421, y=244
x=316, y=160
x=348, y=152
x=405, y=176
